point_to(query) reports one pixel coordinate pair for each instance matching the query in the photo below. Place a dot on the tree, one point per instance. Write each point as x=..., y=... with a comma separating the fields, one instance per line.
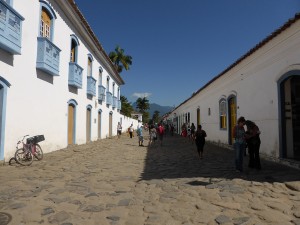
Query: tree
x=126, y=108
x=142, y=104
x=120, y=60
x=156, y=117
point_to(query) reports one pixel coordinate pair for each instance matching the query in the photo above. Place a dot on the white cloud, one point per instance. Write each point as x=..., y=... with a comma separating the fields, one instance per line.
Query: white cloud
x=141, y=95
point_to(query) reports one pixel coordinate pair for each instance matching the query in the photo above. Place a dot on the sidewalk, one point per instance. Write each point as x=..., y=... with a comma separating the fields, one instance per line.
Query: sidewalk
x=115, y=181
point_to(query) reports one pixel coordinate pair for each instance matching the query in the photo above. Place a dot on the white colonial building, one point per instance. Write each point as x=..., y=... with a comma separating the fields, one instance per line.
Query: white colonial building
x=55, y=78
x=263, y=86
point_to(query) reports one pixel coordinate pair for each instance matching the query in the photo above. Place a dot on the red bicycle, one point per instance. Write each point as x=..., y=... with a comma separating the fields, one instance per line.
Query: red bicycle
x=26, y=151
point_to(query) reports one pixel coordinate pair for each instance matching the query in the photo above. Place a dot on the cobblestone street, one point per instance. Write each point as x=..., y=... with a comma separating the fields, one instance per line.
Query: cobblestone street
x=115, y=181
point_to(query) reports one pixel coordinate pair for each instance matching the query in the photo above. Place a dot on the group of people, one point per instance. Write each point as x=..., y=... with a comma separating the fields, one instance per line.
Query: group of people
x=195, y=135
x=243, y=139
x=250, y=139
x=188, y=131
x=155, y=132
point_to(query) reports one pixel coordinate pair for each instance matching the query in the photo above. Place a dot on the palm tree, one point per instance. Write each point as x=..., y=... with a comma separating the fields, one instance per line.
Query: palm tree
x=142, y=104
x=120, y=60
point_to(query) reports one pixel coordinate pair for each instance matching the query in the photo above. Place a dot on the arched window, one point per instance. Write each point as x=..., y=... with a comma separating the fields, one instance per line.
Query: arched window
x=223, y=113
x=47, y=20
x=100, y=75
x=45, y=24
x=107, y=84
x=90, y=65
x=74, y=48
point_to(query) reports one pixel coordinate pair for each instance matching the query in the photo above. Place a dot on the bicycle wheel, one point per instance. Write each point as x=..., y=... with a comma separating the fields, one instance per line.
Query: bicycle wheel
x=11, y=162
x=23, y=157
x=38, y=152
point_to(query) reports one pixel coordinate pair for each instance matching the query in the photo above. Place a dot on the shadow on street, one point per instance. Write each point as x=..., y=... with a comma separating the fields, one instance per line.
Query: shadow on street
x=178, y=158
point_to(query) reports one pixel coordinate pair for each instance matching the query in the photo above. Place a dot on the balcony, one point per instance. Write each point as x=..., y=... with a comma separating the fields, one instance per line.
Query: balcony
x=91, y=86
x=101, y=93
x=119, y=105
x=109, y=98
x=115, y=102
x=10, y=29
x=75, y=75
x=47, y=56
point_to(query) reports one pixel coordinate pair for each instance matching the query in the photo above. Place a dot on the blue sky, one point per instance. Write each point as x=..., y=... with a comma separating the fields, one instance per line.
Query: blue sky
x=178, y=46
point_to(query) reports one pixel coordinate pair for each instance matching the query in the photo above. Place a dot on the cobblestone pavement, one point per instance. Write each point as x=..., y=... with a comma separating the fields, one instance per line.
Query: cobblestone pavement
x=115, y=181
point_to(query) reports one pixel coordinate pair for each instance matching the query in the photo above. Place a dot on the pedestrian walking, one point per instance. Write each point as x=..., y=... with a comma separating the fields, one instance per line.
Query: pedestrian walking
x=130, y=130
x=153, y=135
x=119, y=129
x=193, y=130
x=183, y=130
x=253, y=142
x=189, y=133
x=160, y=132
x=200, y=136
x=139, y=132
x=239, y=143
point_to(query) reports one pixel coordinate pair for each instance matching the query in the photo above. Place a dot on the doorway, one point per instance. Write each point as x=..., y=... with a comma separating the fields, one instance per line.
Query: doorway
x=290, y=117
x=110, y=125
x=71, y=124
x=88, y=124
x=198, y=117
x=231, y=117
x=99, y=124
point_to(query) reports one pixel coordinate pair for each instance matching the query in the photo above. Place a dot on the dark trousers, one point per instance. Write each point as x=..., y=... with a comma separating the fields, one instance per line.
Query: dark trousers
x=130, y=133
x=239, y=155
x=254, y=159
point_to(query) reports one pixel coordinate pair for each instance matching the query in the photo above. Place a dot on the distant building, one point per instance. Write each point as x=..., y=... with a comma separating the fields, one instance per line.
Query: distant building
x=138, y=116
x=55, y=77
x=263, y=86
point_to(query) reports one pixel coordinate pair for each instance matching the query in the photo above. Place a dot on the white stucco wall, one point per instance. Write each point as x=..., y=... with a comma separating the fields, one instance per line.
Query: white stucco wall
x=37, y=103
x=254, y=83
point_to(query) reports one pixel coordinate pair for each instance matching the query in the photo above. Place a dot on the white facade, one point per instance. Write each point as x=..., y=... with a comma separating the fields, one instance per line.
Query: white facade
x=260, y=84
x=35, y=102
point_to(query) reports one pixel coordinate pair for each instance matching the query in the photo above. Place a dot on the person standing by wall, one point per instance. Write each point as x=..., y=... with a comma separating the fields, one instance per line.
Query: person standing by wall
x=119, y=129
x=253, y=142
x=239, y=143
x=200, y=136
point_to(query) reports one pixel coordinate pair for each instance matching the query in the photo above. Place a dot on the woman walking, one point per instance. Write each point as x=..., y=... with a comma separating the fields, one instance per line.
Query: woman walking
x=200, y=140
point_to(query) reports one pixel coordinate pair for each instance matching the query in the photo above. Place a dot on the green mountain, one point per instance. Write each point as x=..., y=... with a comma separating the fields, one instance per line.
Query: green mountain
x=155, y=107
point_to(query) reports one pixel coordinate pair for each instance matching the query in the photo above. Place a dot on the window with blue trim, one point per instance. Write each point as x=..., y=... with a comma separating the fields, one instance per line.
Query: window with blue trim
x=45, y=25
x=47, y=20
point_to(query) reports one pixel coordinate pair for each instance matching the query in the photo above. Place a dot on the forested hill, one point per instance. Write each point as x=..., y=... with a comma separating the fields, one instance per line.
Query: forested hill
x=155, y=107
